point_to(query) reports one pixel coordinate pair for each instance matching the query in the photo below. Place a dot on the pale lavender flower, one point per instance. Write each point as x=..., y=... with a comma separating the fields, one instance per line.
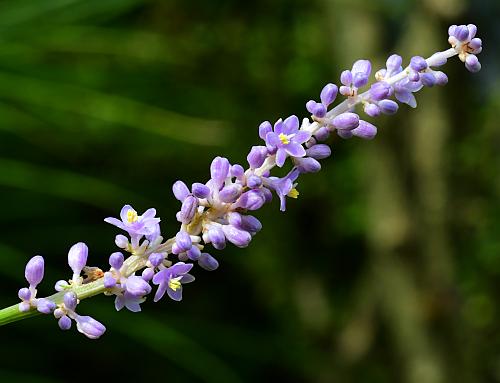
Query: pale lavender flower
x=284, y=186
x=171, y=280
x=134, y=224
x=286, y=140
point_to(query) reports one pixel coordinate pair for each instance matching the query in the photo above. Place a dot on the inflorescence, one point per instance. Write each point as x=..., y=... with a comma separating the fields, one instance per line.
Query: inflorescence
x=217, y=212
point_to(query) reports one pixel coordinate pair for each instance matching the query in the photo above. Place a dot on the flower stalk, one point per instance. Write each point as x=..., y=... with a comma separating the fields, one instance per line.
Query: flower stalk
x=217, y=212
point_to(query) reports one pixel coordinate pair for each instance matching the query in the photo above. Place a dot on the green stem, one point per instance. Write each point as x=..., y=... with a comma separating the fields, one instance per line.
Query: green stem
x=87, y=290
x=12, y=313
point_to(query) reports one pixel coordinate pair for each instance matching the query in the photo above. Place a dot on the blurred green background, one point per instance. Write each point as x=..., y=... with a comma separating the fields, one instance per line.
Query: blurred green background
x=387, y=267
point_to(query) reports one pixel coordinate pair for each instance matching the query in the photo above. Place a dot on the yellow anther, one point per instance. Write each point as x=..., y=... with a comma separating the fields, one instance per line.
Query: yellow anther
x=175, y=283
x=284, y=138
x=294, y=193
x=131, y=216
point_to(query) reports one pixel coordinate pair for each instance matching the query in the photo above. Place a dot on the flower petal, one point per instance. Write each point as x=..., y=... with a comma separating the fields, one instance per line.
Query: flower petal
x=281, y=155
x=295, y=150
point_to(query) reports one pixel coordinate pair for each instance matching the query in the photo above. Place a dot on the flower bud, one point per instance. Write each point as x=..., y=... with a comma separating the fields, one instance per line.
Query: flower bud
x=116, y=260
x=380, y=90
x=328, y=94
x=24, y=294
x=77, y=257
x=183, y=241
x=64, y=323
x=265, y=128
x=418, y=63
x=427, y=79
x=346, y=78
x=109, y=280
x=200, y=190
x=216, y=237
x=148, y=274
x=34, y=270
x=156, y=259
x=137, y=286
x=70, y=300
x=219, y=170
x=236, y=236
x=254, y=182
x=365, y=130
x=89, y=327
x=344, y=133
x=250, y=224
x=346, y=121
x=307, y=165
x=257, y=156
x=472, y=63
x=361, y=72
x=322, y=134
x=45, y=306
x=230, y=193
x=180, y=190
x=208, y=262
x=61, y=285
x=461, y=33
x=319, y=151
x=388, y=106
x=441, y=78
x=194, y=253
x=251, y=200
x=237, y=171
x=372, y=110
x=393, y=63
x=121, y=241
x=188, y=209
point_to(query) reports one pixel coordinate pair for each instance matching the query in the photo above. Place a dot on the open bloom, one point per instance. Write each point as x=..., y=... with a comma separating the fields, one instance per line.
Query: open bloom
x=171, y=280
x=287, y=139
x=134, y=224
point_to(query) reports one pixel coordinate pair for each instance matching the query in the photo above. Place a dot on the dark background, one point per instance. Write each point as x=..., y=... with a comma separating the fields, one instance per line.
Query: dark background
x=387, y=267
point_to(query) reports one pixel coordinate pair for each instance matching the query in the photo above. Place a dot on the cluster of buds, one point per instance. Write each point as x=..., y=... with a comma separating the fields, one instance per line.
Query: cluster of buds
x=219, y=211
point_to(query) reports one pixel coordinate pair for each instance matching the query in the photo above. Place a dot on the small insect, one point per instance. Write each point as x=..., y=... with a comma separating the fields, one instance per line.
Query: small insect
x=92, y=274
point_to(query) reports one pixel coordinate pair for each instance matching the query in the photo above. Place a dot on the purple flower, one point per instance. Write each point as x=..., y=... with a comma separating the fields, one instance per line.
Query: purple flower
x=134, y=224
x=286, y=140
x=130, y=301
x=404, y=89
x=171, y=280
x=284, y=187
